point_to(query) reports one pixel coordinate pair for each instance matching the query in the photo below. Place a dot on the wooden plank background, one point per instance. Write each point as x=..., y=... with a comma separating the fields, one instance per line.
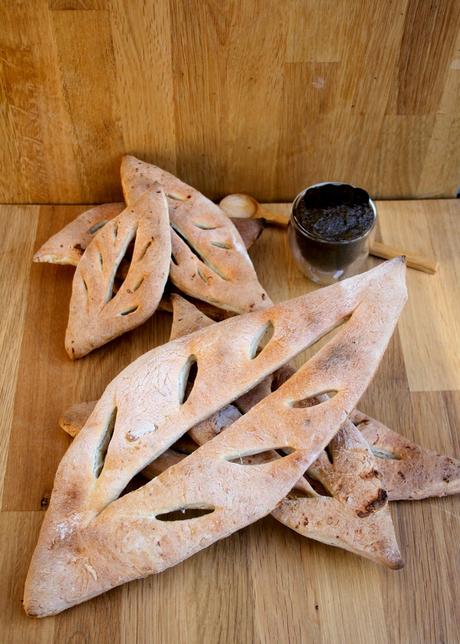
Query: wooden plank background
x=258, y=96
x=265, y=584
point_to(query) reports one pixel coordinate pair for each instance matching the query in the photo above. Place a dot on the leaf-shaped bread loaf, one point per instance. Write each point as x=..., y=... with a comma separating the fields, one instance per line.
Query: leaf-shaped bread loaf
x=354, y=515
x=210, y=261
x=67, y=246
x=97, y=315
x=92, y=539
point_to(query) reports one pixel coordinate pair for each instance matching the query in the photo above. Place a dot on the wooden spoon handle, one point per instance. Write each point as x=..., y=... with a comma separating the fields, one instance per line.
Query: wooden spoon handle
x=418, y=262
x=273, y=217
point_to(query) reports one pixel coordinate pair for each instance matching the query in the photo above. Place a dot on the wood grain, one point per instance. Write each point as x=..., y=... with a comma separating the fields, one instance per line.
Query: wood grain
x=17, y=234
x=265, y=584
x=430, y=326
x=255, y=96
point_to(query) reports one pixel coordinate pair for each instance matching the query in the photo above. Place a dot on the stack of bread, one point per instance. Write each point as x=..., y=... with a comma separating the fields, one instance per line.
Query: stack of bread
x=220, y=428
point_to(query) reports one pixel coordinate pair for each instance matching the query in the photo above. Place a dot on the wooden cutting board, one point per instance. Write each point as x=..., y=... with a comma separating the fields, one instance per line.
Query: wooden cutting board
x=265, y=583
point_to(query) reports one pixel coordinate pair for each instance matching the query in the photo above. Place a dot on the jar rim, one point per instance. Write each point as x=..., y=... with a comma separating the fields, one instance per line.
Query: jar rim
x=344, y=242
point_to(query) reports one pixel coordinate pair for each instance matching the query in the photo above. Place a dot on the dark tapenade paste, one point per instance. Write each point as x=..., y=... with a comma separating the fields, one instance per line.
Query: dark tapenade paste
x=335, y=212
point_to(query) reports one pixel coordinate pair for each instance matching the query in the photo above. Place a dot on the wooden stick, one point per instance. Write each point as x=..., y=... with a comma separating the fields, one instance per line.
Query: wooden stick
x=418, y=262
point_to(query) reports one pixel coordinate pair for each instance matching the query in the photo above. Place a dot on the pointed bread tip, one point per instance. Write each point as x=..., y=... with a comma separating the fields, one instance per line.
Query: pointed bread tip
x=187, y=318
x=127, y=158
x=128, y=161
x=398, y=564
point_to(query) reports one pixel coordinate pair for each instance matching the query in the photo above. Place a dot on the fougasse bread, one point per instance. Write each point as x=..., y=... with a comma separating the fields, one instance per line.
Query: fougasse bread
x=93, y=540
x=210, y=261
x=97, y=315
x=354, y=515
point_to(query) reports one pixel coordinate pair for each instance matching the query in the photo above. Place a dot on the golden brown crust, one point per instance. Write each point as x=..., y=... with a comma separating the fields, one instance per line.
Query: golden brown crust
x=327, y=520
x=355, y=516
x=96, y=316
x=91, y=540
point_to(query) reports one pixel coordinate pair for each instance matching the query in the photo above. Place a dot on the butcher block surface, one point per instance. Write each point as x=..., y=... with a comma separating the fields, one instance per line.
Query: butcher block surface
x=264, y=583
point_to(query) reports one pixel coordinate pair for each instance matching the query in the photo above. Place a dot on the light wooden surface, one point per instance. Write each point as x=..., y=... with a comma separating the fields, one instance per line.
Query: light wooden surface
x=257, y=96
x=264, y=584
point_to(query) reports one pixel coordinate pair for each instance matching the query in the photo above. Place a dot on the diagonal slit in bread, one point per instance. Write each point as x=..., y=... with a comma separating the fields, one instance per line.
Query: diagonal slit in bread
x=92, y=540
